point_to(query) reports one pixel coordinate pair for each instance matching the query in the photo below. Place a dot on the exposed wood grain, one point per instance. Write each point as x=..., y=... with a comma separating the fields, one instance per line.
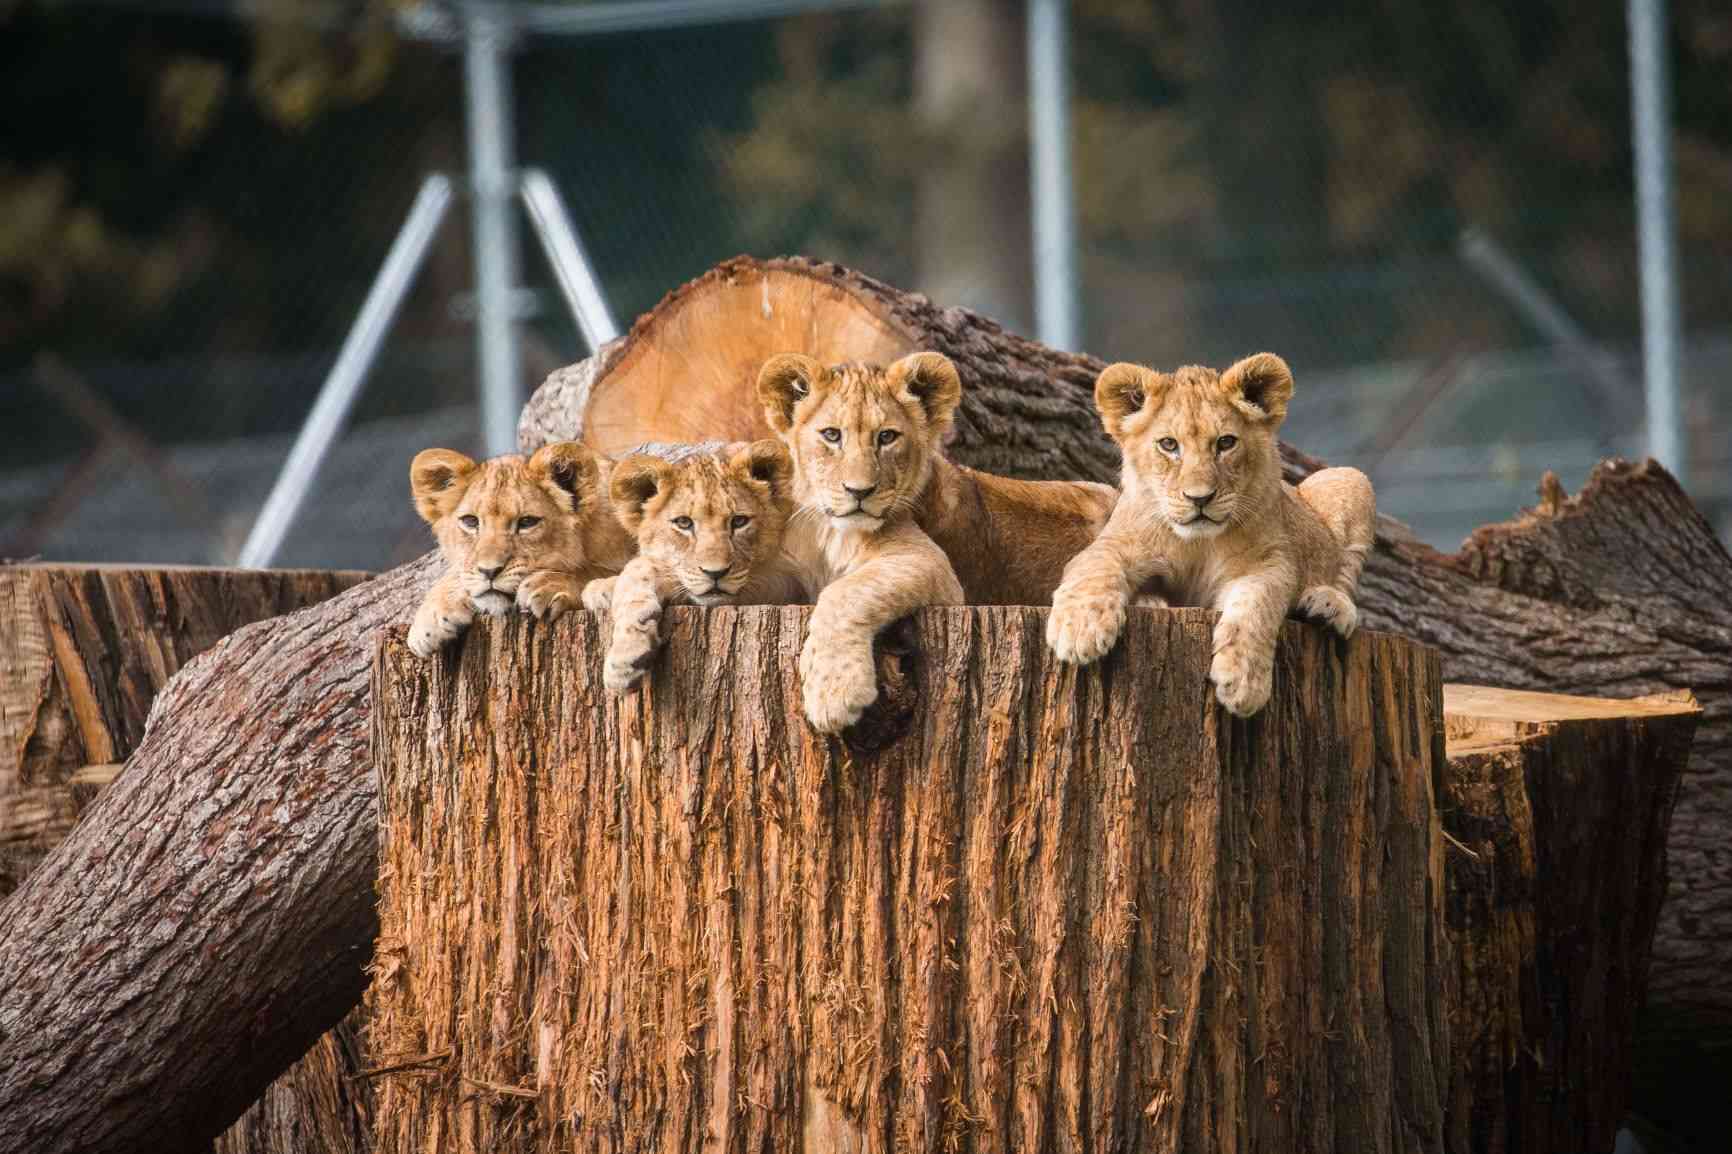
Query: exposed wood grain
x=1062, y=911
x=1617, y=591
x=211, y=914
x=84, y=651
x=1555, y=812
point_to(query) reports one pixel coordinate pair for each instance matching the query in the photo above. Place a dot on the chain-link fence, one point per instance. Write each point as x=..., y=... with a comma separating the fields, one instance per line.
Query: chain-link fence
x=1427, y=208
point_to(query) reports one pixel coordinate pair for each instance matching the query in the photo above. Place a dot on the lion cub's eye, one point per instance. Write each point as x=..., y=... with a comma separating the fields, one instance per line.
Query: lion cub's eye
x=683, y=524
x=887, y=436
x=469, y=521
x=527, y=523
x=740, y=521
x=1168, y=445
x=834, y=436
x=1222, y=444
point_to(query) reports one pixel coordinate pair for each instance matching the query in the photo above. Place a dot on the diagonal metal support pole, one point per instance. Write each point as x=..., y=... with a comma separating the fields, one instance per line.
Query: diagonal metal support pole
x=565, y=252
x=343, y=383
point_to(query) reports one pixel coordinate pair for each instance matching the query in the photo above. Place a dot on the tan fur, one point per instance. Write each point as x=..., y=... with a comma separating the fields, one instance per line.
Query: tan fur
x=693, y=546
x=853, y=541
x=493, y=559
x=1199, y=524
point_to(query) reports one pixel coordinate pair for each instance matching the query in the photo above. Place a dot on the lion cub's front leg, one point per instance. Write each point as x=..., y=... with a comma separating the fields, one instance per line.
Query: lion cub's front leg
x=444, y=614
x=598, y=594
x=1243, y=668
x=549, y=592
x=1088, y=607
x=838, y=678
x=637, y=614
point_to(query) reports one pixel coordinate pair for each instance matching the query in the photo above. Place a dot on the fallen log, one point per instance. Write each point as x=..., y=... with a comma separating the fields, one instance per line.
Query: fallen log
x=84, y=649
x=1049, y=910
x=1555, y=812
x=256, y=765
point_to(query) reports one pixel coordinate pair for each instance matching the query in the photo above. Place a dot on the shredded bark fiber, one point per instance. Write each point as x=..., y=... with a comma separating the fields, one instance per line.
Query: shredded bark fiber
x=1059, y=911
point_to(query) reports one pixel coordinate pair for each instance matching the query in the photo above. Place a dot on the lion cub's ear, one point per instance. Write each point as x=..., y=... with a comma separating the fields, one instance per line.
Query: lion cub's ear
x=765, y=464
x=785, y=380
x=437, y=478
x=568, y=471
x=1260, y=387
x=932, y=381
x=1122, y=390
x=636, y=481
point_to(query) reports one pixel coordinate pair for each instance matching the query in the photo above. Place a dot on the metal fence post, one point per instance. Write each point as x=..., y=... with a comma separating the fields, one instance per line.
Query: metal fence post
x=1055, y=287
x=1656, y=231
x=487, y=72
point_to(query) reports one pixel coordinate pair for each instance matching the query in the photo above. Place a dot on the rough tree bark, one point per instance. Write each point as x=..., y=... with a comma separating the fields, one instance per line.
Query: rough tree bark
x=1616, y=592
x=84, y=650
x=212, y=913
x=1061, y=910
x=242, y=832
x=1555, y=811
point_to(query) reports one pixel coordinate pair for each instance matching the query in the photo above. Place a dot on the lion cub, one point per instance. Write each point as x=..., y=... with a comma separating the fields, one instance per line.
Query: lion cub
x=529, y=533
x=1205, y=519
x=709, y=532
x=862, y=440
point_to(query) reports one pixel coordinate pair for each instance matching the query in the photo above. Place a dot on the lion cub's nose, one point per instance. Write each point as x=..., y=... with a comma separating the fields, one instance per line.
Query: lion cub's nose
x=860, y=494
x=490, y=574
x=1200, y=500
x=717, y=574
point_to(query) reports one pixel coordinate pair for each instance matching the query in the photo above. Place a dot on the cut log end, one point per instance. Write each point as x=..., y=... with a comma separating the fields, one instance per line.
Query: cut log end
x=688, y=370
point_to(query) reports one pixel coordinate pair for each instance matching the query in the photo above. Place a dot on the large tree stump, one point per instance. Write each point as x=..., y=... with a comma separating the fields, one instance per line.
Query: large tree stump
x=1617, y=592
x=1555, y=812
x=255, y=765
x=1054, y=911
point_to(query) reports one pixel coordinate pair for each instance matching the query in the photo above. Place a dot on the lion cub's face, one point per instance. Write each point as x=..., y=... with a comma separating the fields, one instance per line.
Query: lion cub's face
x=499, y=521
x=711, y=519
x=1198, y=445
x=861, y=437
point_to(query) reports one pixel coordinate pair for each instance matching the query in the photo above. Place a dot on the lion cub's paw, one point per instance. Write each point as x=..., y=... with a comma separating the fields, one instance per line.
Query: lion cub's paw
x=547, y=593
x=837, y=685
x=1329, y=606
x=598, y=594
x=1243, y=677
x=431, y=632
x=1080, y=630
x=627, y=659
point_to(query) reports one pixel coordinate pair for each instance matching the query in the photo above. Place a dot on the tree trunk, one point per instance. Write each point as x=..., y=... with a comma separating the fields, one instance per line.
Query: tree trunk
x=323, y=1104
x=84, y=650
x=247, y=811
x=212, y=913
x=1616, y=592
x=1049, y=910
x=1555, y=812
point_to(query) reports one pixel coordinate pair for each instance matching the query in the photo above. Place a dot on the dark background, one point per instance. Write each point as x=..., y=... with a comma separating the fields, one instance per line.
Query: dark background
x=192, y=207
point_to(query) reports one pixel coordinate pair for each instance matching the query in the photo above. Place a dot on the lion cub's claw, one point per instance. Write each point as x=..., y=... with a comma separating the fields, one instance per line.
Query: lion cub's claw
x=431, y=633
x=1081, y=630
x=598, y=594
x=1242, y=682
x=545, y=594
x=627, y=660
x=1329, y=606
x=836, y=687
